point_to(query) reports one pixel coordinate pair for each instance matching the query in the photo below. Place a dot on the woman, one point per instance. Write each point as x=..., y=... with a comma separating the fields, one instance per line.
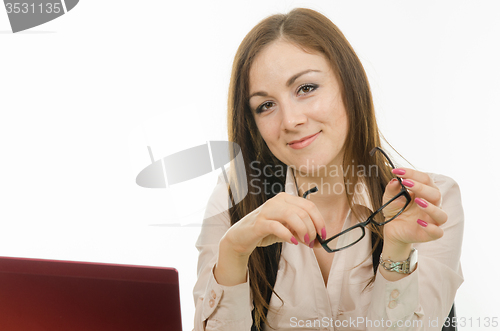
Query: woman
x=301, y=110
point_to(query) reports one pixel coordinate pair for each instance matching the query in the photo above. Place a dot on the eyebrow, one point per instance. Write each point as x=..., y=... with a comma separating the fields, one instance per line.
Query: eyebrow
x=288, y=82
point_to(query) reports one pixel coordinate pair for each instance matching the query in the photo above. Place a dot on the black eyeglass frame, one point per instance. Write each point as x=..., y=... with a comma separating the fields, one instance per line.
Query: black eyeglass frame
x=371, y=219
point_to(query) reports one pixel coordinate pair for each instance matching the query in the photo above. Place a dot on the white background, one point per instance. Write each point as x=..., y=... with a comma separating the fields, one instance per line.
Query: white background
x=83, y=96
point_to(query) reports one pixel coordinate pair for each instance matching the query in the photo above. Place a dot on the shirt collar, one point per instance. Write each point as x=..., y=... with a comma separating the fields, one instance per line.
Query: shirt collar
x=360, y=198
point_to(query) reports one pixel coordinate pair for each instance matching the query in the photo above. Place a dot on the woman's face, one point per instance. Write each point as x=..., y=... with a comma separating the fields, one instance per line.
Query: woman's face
x=295, y=95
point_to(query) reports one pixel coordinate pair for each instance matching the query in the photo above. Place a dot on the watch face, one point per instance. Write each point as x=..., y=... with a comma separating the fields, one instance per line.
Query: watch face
x=413, y=259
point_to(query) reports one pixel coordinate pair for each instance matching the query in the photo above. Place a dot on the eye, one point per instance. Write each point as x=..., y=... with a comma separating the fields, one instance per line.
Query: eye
x=306, y=88
x=265, y=106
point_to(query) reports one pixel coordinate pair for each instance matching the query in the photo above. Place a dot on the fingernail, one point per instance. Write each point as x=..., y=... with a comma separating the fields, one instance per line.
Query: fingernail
x=398, y=171
x=421, y=202
x=295, y=242
x=312, y=244
x=407, y=182
x=306, y=238
x=393, y=180
x=422, y=223
x=323, y=233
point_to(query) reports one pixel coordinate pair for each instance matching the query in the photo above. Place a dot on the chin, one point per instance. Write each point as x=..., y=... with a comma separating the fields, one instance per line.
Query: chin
x=323, y=166
x=309, y=166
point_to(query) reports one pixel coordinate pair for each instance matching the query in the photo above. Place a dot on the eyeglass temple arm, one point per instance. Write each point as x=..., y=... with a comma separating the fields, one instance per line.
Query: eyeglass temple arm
x=386, y=156
x=306, y=193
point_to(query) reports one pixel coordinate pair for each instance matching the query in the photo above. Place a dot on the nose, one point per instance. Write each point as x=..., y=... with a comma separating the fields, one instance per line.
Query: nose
x=293, y=116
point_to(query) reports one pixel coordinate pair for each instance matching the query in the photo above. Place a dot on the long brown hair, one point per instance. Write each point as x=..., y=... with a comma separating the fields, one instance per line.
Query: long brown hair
x=313, y=32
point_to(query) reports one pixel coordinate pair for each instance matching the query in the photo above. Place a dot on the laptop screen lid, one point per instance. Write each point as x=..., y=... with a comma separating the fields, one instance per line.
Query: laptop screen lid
x=38, y=294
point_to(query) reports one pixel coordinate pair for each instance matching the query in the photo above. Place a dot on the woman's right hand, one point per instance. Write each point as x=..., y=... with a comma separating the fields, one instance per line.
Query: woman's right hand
x=283, y=218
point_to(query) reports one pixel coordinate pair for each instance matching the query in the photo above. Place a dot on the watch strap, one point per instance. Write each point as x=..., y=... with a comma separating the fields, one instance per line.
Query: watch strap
x=403, y=267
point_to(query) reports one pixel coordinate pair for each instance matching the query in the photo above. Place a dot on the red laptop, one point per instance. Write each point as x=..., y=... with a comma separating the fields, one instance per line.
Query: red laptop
x=52, y=295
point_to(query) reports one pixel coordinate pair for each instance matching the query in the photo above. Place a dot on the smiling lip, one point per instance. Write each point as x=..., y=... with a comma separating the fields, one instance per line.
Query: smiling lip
x=304, y=142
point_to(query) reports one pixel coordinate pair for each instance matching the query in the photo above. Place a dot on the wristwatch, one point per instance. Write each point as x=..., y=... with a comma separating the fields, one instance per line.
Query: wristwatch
x=403, y=267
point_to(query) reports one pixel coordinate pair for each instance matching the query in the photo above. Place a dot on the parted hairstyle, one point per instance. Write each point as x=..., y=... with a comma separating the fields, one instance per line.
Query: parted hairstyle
x=314, y=33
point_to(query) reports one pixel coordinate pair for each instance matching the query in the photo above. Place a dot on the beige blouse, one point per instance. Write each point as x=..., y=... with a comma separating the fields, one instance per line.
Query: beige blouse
x=420, y=301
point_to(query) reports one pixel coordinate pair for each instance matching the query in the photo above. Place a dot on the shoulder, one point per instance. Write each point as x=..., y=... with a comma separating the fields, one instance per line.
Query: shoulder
x=446, y=249
x=218, y=203
x=443, y=182
x=450, y=191
x=451, y=199
x=216, y=219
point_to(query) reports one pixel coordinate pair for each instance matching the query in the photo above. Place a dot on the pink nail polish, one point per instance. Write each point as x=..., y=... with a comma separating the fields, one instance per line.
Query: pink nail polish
x=323, y=233
x=408, y=183
x=421, y=202
x=306, y=238
x=295, y=242
x=398, y=171
x=422, y=223
x=312, y=244
x=393, y=180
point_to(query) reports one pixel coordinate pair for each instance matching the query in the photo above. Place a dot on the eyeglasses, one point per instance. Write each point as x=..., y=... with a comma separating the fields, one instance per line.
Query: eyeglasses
x=354, y=234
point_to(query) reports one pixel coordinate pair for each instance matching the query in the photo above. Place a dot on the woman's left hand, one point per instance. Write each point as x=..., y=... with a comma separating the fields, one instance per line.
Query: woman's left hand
x=421, y=220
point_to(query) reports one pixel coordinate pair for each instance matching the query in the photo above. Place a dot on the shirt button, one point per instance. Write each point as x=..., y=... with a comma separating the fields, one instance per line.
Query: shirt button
x=392, y=304
x=213, y=294
x=212, y=303
x=394, y=294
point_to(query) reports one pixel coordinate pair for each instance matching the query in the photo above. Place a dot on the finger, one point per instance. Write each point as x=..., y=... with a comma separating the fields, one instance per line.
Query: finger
x=438, y=215
x=419, y=176
x=294, y=218
x=304, y=219
x=280, y=231
x=318, y=222
x=422, y=177
x=391, y=190
x=433, y=231
x=422, y=190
